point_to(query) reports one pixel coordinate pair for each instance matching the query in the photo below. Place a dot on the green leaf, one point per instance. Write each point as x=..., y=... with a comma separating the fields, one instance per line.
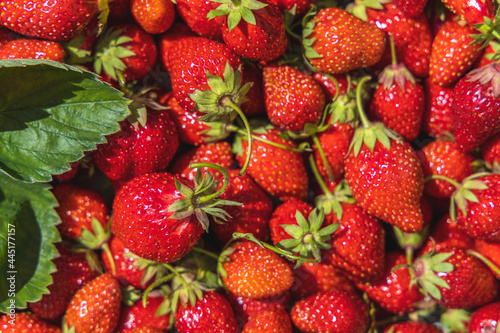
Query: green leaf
x=28, y=217
x=50, y=113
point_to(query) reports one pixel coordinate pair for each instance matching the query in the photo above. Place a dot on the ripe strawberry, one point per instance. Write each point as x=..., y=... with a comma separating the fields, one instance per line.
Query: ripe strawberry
x=177, y=31
x=252, y=271
x=95, y=307
x=473, y=12
x=304, y=103
x=285, y=213
x=73, y=272
x=136, y=315
x=255, y=96
x=252, y=216
x=58, y=20
x=330, y=88
x=194, y=13
x=77, y=208
x=412, y=327
x=125, y=48
x=275, y=320
x=212, y=313
x=437, y=118
x=154, y=16
x=491, y=251
x=490, y=150
x=442, y=157
x=32, y=49
x=447, y=233
x=26, y=322
x=337, y=42
x=218, y=153
x=279, y=170
x=476, y=105
x=393, y=291
x=398, y=101
x=411, y=8
x=332, y=311
x=299, y=6
x=253, y=29
x=485, y=319
x=452, y=54
x=138, y=149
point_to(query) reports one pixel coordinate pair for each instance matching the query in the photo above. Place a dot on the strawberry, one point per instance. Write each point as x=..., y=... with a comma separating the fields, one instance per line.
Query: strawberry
x=412, y=327
x=304, y=103
x=212, y=313
x=95, y=307
x=154, y=16
x=411, y=8
x=398, y=101
x=32, y=49
x=437, y=118
x=255, y=96
x=137, y=148
x=5, y=36
x=333, y=311
x=252, y=271
x=299, y=7
x=490, y=251
x=68, y=175
x=135, y=315
x=253, y=29
x=252, y=216
x=452, y=53
x=59, y=20
x=485, y=319
x=473, y=12
x=337, y=42
x=490, y=150
x=447, y=233
x=442, y=157
x=161, y=217
x=476, y=105
x=177, y=31
x=330, y=87
x=267, y=166
x=194, y=14
x=285, y=213
x=218, y=153
x=73, y=272
x=26, y=322
x=393, y=291
x=78, y=207
x=275, y=320
x=125, y=48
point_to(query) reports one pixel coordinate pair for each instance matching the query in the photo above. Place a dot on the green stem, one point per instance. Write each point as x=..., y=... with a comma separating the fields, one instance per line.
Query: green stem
x=254, y=137
x=107, y=251
x=224, y=185
x=486, y=261
x=409, y=261
x=208, y=253
x=364, y=120
x=154, y=285
x=393, y=50
x=249, y=135
x=323, y=157
x=292, y=34
x=318, y=177
x=441, y=177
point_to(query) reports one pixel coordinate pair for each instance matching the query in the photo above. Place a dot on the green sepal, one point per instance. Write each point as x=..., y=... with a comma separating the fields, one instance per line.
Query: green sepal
x=427, y=268
x=395, y=73
x=109, y=53
x=488, y=30
x=330, y=202
x=463, y=194
x=74, y=54
x=66, y=328
x=307, y=43
x=97, y=237
x=410, y=240
x=235, y=11
x=454, y=320
x=369, y=137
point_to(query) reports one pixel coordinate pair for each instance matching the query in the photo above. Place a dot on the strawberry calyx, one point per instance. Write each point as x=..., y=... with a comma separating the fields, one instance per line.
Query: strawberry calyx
x=426, y=269
x=75, y=55
x=109, y=52
x=488, y=30
x=308, y=238
x=455, y=320
x=411, y=240
x=395, y=72
x=489, y=74
x=358, y=7
x=153, y=270
x=203, y=199
x=308, y=27
x=236, y=10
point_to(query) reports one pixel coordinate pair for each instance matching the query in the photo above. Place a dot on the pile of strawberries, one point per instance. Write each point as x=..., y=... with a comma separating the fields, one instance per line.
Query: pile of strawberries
x=305, y=166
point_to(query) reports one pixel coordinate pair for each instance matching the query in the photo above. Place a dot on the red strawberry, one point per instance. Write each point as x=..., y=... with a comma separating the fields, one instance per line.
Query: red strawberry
x=95, y=307
x=125, y=48
x=485, y=319
x=276, y=165
x=338, y=42
x=135, y=315
x=286, y=214
x=412, y=327
x=300, y=7
x=212, y=313
x=437, y=119
x=476, y=105
x=452, y=54
x=411, y=8
x=304, y=102
x=333, y=311
x=252, y=216
x=491, y=251
x=77, y=208
x=246, y=308
x=255, y=96
x=177, y=31
x=32, y=49
x=154, y=16
x=394, y=291
x=253, y=29
x=447, y=233
x=58, y=20
x=138, y=149
x=26, y=322
x=442, y=157
x=194, y=13
x=275, y=320
x=218, y=153
x=68, y=175
x=330, y=88
x=490, y=150
x=252, y=271
x=73, y=272
x=473, y=12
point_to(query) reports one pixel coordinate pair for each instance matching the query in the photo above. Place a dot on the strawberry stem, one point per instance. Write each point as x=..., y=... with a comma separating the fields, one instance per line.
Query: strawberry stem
x=364, y=120
x=486, y=261
x=224, y=185
x=393, y=51
x=208, y=253
x=318, y=177
x=409, y=261
x=302, y=148
x=441, y=177
x=323, y=157
x=107, y=251
x=228, y=101
x=154, y=285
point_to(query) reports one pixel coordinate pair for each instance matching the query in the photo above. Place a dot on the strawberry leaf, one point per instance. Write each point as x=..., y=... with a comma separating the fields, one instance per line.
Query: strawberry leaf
x=50, y=113
x=28, y=218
